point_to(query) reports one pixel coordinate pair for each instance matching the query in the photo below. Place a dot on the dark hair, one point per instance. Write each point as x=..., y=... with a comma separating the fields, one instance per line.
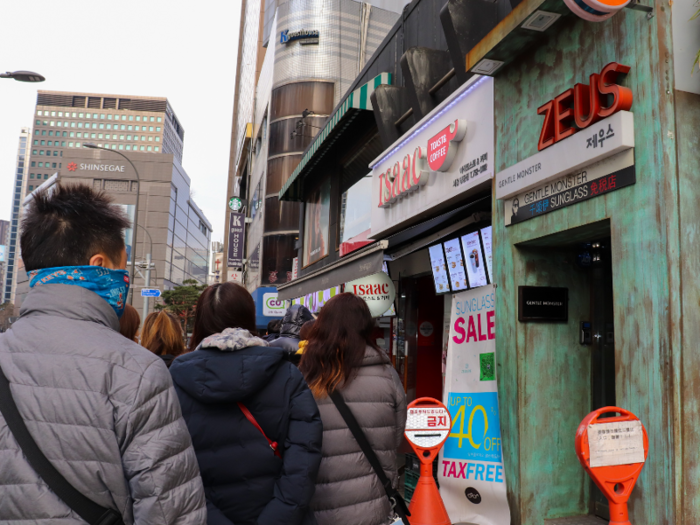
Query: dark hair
x=162, y=334
x=337, y=343
x=274, y=326
x=306, y=330
x=222, y=306
x=129, y=322
x=67, y=226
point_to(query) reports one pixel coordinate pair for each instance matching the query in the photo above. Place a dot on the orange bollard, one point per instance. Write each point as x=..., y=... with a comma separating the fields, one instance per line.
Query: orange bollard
x=427, y=428
x=613, y=451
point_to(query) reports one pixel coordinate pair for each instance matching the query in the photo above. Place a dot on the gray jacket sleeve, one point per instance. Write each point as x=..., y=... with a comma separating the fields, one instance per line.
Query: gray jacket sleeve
x=157, y=456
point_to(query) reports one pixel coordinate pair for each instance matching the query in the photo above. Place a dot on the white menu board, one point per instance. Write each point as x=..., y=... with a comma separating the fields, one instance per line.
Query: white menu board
x=455, y=265
x=439, y=269
x=486, y=239
x=474, y=260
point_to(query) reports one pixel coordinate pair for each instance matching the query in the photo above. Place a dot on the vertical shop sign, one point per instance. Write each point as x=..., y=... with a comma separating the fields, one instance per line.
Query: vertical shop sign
x=236, y=235
x=471, y=475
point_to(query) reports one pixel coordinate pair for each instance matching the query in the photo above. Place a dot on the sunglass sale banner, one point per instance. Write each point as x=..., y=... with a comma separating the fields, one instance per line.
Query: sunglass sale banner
x=471, y=475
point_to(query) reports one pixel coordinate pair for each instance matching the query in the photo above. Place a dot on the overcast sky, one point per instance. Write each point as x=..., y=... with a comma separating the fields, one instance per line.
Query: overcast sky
x=179, y=49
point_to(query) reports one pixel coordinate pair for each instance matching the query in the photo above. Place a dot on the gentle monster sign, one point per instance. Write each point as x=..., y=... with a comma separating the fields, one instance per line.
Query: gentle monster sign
x=446, y=157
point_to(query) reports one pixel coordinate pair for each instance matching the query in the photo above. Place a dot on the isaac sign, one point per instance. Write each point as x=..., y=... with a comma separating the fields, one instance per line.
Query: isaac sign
x=444, y=158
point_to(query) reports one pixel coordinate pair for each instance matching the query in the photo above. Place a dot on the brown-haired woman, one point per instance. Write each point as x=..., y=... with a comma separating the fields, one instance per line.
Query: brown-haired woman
x=162, y=335
x=129, y=323
x=233, y=371
x=340, y=356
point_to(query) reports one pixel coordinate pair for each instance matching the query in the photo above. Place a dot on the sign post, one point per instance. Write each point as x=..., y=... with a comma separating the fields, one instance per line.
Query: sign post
x=150, y=292
x=613, y=451
x=236, y=237
x=427, y=428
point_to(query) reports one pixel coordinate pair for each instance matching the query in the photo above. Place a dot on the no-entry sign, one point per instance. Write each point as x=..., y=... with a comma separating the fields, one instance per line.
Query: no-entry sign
x=427, y=427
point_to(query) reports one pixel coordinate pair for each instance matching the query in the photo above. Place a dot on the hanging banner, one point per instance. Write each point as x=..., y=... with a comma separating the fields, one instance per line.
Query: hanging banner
x=236, y=238
x=470, y=473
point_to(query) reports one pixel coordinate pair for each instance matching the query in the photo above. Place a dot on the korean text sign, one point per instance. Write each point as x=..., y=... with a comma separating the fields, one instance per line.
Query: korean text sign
x=470, y=472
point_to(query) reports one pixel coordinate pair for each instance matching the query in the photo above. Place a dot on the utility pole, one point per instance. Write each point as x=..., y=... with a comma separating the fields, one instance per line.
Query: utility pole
x=148, y=285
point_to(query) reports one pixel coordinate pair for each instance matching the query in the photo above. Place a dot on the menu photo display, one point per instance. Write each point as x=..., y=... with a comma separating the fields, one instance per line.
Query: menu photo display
x=486, y=235
x=438, y=266
x=455, y=265
x=474, y=260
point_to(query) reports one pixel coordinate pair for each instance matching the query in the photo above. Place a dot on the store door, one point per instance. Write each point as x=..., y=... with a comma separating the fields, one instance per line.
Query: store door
x=421, y=312
x=602, y=332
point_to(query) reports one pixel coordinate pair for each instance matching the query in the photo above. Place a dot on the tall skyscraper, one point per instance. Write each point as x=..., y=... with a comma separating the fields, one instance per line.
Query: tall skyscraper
x=12, y=250
x=64, y=120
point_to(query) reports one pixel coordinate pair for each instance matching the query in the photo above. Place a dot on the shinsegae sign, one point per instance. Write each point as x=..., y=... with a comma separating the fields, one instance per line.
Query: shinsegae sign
x=101, y=167
x=442, y=159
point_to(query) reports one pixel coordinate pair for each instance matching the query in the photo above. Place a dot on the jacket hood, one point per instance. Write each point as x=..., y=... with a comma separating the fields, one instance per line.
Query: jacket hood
x=227, y=367
x=294, y=319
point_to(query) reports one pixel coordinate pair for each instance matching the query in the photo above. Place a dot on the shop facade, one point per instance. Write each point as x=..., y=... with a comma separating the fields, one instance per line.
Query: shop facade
x=587, y=198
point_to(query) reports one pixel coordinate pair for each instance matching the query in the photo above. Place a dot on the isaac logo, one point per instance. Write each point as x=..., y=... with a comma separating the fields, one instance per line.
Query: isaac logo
x=442, y=148
x=72, y=166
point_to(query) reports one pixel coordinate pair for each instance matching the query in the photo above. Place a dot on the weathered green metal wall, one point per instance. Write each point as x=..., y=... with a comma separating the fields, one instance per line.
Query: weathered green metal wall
x=544, y=376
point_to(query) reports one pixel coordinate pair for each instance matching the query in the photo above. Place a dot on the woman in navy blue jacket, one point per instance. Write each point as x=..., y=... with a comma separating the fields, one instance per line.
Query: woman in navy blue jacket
x=232, y=370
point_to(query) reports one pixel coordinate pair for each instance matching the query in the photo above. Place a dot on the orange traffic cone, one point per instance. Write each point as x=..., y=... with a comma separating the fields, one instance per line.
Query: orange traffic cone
x=427, y=507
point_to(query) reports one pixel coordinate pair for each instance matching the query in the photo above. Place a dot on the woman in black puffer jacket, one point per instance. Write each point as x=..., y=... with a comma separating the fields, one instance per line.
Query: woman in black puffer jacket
x=245, y=482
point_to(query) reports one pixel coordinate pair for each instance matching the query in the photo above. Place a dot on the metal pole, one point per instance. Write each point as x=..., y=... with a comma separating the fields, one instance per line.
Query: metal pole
x=148, y=284
x=136, y=215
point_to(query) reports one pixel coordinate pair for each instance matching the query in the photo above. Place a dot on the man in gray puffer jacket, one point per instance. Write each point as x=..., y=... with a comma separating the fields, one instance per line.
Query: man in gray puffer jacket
x=101, y=408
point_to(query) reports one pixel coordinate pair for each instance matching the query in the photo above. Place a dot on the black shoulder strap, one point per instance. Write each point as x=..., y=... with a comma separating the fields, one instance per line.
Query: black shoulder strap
x=395, y=498
x=84, y=507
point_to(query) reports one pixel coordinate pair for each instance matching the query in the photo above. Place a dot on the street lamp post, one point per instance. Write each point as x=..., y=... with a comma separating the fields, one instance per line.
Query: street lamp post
x=23, y=76
x=136, y=212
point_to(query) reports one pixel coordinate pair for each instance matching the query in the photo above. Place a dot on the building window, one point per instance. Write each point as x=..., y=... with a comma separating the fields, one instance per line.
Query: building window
x=41, y=164
x=159, y=119
x=55, y=154
x=70, y=144
x=129, y=127
x=128, y=146
x=150, y=128
x=150, y=139
x=99, y=135
x=41, y=152
x=80, y=124
x=102, y=126
x=39, y=113
x=94, y=125
x=143, y=148
x=73, y=115
x=123, y=126
x=102, y=116
x=157, y=139
x=150, y=148
x=123, y=117
x=46, y=176
x=128, y=137
x=53, y=113
x=38, y=122
x=80, y=135
x=43, y=142
x=72, y=124
x=80, y=115
x=121, y=146
x=109, y=117
x=60, y=113
x=50, y=133
x=109, y=126
x=121, y=137
x=114, y=146
x=31, y=175
x=93, y=135
x=158, y=129
x=36, y=142
x=131, y=117
x=43, y=132
x=36, y=132
x=33, y=164
x=152, y=119
x=157, y=148
x=63, y=144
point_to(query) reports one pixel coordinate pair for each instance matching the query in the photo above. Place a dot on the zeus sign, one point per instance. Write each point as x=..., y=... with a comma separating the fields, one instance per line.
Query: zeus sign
x=443, y=159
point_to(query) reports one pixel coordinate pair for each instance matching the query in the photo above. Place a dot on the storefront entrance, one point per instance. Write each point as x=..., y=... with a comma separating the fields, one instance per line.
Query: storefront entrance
x=602, y=343
x=420, y=325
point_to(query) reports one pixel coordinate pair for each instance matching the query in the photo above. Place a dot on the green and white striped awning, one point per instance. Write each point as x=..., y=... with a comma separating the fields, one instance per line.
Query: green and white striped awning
x=357, y=100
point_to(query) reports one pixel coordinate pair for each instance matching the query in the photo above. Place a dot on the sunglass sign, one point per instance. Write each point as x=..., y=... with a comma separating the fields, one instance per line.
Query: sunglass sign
x=446, y=156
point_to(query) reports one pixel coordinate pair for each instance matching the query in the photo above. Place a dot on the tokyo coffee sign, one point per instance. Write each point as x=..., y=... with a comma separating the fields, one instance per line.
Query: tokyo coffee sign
x=444, y=158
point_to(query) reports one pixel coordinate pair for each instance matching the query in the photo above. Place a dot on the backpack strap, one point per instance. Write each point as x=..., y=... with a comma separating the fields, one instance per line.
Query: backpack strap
x=397, y=502
x=249, y=417
x=79, y=503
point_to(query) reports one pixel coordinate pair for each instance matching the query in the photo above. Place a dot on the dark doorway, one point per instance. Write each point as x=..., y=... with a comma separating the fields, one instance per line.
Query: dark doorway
x=602, y=344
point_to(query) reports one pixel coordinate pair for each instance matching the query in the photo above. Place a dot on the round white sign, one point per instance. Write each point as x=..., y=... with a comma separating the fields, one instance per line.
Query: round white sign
x=426, y=329
x=428, y=427
x=377, y=290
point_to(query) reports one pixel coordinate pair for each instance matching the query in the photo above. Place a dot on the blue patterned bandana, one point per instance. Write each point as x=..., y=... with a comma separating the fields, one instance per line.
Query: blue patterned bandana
x=111, y=285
